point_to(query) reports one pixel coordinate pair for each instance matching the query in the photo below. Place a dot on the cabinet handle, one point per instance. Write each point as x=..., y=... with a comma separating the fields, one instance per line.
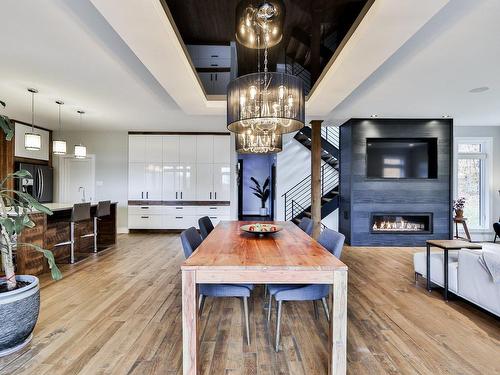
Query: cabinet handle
x=210, y=195
x=211, y=77
x=212, y=208
x=179, y=208
x=147, y=194
x=214, y=64
x=144, y=217
x=216, y=76
x=181, y=194
x=213, y=217
x=179, y=217
x=145, y=208
x=142, y=195
x=214, y=56
x=215, y=195
x=175, y=195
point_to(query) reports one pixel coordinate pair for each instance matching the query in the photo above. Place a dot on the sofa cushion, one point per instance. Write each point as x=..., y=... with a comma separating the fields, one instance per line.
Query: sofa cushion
x=437, y=271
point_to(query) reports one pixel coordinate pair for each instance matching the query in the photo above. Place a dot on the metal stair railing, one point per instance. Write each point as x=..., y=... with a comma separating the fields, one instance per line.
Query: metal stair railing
x=300, y=194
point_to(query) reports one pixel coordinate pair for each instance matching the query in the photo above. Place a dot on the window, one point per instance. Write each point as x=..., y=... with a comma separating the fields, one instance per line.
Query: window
x=472, y=173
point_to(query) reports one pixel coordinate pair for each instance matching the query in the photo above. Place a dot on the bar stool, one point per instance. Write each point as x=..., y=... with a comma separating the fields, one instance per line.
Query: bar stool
x=103, y=209
x=80, y=212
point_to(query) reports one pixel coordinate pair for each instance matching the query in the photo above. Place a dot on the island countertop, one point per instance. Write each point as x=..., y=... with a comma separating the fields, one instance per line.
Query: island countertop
x=52, y=232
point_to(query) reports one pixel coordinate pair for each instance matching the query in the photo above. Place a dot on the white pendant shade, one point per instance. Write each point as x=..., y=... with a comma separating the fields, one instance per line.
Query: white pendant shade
x=80, y=151
x=59, y=147
x=32, y=141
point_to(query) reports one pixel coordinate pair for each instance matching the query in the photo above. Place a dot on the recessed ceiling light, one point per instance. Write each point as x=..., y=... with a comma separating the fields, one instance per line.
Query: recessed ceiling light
x=479, y=89
x=374, y=116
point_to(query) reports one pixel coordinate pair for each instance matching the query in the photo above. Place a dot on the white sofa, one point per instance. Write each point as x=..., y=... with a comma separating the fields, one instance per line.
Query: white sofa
x=467, y=278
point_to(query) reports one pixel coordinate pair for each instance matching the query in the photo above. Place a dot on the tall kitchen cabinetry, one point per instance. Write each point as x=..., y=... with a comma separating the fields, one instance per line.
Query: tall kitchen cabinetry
x=175, y=179
x=145, y=167
x=213, y=168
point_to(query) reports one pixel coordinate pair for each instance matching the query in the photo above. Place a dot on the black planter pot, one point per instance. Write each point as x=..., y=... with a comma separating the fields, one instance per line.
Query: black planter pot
x=18, y=312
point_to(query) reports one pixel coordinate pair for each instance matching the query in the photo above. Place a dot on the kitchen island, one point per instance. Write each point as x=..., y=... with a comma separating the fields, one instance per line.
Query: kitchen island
x=52, y=229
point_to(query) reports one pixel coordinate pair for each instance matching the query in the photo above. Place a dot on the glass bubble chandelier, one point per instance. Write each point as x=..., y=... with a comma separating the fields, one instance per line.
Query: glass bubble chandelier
x=257, y=20
x=265, y=104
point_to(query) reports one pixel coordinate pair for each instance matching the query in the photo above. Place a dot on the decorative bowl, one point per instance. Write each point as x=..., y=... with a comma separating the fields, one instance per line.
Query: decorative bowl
x=261, y=229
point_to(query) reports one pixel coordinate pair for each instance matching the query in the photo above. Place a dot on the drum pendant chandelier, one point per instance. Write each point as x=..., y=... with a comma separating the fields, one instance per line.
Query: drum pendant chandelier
x=265, y=104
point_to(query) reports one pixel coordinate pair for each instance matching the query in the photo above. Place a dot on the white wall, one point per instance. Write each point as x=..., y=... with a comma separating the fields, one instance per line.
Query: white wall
x=111, y=166
x=294, y=164
x=494, y=133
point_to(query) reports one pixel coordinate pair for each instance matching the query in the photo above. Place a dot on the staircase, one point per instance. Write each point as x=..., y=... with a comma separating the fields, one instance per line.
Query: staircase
x=298, y=198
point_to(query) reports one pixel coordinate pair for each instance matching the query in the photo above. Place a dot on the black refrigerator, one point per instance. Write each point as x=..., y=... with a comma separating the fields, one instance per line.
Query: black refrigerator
x=40, y=185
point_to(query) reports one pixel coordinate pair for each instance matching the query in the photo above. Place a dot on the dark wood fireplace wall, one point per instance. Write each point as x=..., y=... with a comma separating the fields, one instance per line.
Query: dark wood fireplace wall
x=362, y=197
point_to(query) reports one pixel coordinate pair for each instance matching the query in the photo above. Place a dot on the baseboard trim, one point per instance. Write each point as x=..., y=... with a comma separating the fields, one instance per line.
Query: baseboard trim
x=122, y=230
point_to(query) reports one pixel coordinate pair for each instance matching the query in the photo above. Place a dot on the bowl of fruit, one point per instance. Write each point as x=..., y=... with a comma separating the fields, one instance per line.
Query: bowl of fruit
x=261, y=229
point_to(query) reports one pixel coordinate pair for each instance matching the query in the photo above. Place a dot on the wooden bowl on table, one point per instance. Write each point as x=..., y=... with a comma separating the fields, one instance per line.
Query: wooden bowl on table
x=261, y=229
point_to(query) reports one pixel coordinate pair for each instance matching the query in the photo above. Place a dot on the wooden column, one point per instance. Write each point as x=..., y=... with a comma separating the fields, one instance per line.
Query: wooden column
x=316, y=177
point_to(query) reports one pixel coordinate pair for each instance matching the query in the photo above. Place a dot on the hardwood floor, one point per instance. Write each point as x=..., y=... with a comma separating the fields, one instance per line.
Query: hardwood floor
x=120, y=313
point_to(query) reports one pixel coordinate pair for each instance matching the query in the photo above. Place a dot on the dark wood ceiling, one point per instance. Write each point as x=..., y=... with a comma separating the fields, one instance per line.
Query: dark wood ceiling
x=213, y=22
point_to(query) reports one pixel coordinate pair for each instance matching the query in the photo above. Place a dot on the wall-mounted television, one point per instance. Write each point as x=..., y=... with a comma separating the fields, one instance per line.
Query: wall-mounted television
x=401, y=158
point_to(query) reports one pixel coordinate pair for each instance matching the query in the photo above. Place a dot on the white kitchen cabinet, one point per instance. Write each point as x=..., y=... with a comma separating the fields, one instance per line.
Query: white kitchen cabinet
x=222, y=149
x=186, y=181
x=153, y=181
x=187, y=148
x=222, y=182
x=145, y=181
x=204, y=148
x=136, y=180
x=169, y=188
x=145, y=221
x=170, y=148
x=204, y=182
x=145, y=148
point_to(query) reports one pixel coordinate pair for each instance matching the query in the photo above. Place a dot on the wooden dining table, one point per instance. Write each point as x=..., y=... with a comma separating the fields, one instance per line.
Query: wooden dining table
x=230, y=256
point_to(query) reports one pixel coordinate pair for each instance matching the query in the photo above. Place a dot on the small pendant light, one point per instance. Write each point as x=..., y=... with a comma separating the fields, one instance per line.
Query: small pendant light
x=80, y=150
x=32, y=141
x=59, y=146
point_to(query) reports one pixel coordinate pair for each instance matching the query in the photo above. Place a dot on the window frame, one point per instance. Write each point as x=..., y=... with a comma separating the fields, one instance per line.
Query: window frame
x=486, y=176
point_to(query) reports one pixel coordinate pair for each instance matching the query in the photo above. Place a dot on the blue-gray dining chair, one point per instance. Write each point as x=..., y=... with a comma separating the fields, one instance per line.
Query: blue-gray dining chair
x=333, y=242
x=306, y=225
x=205, y=225
x=191, y=239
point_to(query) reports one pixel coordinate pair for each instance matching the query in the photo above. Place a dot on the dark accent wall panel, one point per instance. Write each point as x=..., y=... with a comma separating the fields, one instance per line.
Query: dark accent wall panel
x=361, y=196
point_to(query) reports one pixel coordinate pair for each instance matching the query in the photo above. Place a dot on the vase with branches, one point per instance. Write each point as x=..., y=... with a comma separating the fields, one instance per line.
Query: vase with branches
x=262, y=192
x=19, y=294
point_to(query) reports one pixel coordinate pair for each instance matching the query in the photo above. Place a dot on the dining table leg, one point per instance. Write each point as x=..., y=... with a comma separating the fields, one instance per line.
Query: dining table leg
x=337, y=364
x=190, y=322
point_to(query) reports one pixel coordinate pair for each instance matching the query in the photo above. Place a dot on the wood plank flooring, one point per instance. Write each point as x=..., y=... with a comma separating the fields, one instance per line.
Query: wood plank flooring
x=120, y=313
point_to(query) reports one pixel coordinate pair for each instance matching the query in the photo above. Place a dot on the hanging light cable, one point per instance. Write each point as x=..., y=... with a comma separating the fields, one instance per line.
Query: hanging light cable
x=80, y=150
x=59, y=146
x=32, y=141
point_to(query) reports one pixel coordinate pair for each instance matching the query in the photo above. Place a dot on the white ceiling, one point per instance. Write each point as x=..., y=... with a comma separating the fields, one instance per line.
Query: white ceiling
x=422, y=59
x=431, y=75
x=68, y=51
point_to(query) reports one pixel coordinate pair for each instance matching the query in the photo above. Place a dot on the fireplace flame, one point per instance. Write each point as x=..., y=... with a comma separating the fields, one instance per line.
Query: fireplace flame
x=401, y=225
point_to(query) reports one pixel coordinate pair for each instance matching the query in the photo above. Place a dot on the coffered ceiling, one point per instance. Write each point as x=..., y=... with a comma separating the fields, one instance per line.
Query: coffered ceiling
x=123, y=61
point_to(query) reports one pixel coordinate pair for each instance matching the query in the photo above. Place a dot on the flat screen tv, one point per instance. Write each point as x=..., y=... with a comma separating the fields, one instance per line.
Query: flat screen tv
x=401, y=158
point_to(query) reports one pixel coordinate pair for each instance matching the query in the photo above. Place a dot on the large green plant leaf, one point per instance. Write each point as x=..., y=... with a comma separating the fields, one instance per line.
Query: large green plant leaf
x=6, y=127
x=54, y=271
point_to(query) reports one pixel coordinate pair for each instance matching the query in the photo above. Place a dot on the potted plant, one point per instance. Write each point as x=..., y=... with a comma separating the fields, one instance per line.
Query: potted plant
x=262, y=193
x=458, y=207
x=19, y=294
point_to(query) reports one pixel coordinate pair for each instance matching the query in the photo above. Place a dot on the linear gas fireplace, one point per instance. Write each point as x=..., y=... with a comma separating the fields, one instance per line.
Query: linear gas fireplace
x=401, y=223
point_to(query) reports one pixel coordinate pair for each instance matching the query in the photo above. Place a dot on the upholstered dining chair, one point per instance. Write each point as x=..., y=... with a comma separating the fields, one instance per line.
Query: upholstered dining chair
x=333, y=242
x=191, y=239
x=306, y=225
x=496, y=228
x=206, y=226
